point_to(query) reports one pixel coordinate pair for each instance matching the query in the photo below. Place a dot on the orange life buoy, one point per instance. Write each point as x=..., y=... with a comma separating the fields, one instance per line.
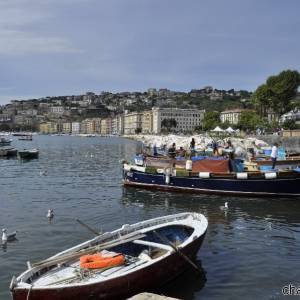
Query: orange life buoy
x=98, y=261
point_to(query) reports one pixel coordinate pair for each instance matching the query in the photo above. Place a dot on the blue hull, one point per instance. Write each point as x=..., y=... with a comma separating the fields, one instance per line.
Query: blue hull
x=249, y=187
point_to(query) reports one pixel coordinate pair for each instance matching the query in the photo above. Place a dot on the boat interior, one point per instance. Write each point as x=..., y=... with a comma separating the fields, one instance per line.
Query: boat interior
x=145, y=248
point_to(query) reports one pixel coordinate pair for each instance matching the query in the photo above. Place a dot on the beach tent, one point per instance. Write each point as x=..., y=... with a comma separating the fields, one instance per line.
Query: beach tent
x=230, y=130
x=218, y=129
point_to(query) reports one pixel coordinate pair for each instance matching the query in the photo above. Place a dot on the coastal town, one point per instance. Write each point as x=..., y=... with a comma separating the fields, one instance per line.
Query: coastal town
x=149, y=150
x=155, y=111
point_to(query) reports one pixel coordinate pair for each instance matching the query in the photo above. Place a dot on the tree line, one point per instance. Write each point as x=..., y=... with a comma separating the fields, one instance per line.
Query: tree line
x=276, y=96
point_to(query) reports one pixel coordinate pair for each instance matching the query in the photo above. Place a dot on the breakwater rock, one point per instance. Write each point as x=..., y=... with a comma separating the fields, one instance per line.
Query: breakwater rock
x=291, y=144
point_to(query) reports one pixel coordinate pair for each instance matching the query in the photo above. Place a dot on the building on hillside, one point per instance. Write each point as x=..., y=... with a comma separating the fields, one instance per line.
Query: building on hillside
x=91, y=126
x=76, y=127
x=67, y=127
x=186, y=119
x=133, y=123
x=57, y=110
x=152, y=92
x=291, y=115
x=232, y=116
x=120, y=124
x=147, y=121
x=84, y=126
x=117, y=125
x=5, y=118
x=49, y=127
x=272, y=116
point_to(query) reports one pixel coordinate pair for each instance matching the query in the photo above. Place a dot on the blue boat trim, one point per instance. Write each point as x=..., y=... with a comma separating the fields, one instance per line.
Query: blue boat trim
x=233, y=186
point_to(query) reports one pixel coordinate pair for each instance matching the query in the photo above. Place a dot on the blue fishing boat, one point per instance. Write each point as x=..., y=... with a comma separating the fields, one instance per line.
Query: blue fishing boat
x=211, y=176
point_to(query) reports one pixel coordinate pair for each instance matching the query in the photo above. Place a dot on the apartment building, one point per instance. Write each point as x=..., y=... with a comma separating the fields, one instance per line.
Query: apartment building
x=147, y=122
x=233, y=116
x=49, y=127
x=186, y=119
x=133, y=123
x=67, y=127
x=76, y=126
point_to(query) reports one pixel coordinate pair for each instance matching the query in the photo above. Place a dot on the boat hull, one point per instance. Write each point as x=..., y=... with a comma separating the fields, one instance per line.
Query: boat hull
x=28, y=155
x=289, y=186
x=145, y=279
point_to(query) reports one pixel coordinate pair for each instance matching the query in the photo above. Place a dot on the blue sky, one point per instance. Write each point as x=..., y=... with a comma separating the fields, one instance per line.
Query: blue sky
x=65, y=47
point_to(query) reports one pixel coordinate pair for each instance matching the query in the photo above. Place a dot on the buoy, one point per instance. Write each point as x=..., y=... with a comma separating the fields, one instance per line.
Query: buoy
x=189, y=165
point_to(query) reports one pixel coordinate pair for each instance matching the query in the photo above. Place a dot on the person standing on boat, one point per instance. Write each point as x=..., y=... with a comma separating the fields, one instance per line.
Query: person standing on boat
x=274, y=154
x=192, y=147
x=172, y=151
x=155, y=150
x=215, y=148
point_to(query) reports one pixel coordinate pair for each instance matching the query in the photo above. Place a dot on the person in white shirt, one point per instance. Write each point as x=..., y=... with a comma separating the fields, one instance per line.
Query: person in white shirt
x=274, y=154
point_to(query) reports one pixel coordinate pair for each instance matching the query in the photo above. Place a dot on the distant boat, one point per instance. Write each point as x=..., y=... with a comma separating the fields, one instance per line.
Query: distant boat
x=8, y=151
x=25, y=137
x=4, y=141
x=29, y=153
x=138, y=257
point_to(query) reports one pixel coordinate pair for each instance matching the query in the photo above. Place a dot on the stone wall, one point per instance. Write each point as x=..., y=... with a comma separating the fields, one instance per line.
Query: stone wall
x=291, y=144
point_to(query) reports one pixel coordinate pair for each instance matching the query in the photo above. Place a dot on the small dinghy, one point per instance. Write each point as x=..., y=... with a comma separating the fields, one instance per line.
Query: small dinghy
x=117, y=264
x=29, y=153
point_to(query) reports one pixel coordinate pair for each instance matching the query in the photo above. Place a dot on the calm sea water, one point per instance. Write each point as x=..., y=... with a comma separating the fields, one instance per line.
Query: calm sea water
x=251, y=251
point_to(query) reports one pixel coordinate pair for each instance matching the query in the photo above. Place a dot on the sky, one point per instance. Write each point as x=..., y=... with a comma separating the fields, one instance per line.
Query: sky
x=70, y=47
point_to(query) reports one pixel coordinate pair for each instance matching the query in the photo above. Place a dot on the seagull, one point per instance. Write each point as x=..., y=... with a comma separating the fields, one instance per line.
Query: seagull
x=43, y=173
x=50, y=214
x=225, y=207
x=8, y=237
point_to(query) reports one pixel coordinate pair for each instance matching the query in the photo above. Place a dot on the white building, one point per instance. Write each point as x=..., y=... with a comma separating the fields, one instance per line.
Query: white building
x=233, y=116
x=133, y=123
x=186, y=119
x=292, y=115
x=58, y=110
x=76, y=127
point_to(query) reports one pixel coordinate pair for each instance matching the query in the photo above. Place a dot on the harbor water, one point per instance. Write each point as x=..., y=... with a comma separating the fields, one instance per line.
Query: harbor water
x=251, y=250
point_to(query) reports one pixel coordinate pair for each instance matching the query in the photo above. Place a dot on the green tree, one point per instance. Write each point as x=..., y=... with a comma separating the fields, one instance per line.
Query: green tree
x=169, y=123
x=251, y=121
x=262, y=99
x=211, y=120
x=277, y=92
x=289, y=124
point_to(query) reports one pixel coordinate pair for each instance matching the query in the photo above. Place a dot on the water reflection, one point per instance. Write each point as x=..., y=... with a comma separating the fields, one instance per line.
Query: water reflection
x=245, y=246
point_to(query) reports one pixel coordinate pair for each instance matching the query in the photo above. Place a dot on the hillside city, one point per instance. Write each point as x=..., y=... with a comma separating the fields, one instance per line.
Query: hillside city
x=108, y=113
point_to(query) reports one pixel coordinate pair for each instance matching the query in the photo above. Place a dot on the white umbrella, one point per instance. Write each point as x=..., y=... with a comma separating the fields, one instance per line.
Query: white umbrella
x=217, y=129
x=229, y=129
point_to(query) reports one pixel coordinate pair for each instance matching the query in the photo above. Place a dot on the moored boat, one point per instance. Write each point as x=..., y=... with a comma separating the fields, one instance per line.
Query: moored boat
x=29, y=153
x=4, y=141
x=25, y=137
x=8, y=151
x=211, y=176
x=154, y=252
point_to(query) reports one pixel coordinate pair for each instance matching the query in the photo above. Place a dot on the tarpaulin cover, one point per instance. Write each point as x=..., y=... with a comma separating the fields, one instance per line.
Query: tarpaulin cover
x=159, y=162
x=213, y=166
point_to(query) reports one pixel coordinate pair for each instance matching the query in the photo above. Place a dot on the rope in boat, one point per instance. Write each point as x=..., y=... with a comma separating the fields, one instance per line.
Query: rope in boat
x=28, y=294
